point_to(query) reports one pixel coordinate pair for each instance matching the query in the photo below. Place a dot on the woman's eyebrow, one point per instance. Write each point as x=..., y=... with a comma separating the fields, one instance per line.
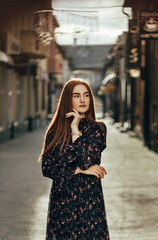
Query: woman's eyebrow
x=80, y=93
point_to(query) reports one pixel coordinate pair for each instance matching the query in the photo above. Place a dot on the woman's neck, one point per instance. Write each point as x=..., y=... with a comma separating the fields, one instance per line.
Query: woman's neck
x=83, y=115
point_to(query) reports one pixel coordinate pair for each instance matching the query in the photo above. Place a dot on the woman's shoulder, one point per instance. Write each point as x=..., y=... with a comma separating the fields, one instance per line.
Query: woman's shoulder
x=99, y=122
x=100, y=125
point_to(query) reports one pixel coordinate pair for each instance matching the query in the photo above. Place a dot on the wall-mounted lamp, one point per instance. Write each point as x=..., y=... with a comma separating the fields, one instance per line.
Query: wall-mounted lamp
x=134, y=73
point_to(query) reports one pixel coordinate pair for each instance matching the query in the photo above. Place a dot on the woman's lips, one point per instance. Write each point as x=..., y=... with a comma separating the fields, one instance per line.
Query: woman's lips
x=82, y=106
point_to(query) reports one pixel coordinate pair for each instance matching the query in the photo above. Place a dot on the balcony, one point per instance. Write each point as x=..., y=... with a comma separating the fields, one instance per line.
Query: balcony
x=31, y=45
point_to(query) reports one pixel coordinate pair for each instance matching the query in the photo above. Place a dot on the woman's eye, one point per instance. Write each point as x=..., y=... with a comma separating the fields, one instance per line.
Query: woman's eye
x=76, y=96
x=87, y=95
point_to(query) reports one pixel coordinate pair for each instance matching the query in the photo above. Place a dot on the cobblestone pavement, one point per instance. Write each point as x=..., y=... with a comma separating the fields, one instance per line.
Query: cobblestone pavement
x=130, y=188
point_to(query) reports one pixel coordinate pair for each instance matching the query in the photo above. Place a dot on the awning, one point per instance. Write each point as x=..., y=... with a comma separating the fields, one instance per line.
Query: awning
x=108, y=78
x=6, y=58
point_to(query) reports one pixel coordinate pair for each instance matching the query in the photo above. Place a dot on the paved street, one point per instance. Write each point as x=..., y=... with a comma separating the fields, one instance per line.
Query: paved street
x=130, y=188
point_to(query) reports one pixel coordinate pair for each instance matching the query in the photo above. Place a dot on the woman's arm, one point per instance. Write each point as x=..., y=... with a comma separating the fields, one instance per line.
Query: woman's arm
x=92, y=145
x=60, y=169
x=95, y=170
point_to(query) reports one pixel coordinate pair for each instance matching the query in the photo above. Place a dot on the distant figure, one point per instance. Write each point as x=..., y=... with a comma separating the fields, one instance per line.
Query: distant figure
x=71, y=157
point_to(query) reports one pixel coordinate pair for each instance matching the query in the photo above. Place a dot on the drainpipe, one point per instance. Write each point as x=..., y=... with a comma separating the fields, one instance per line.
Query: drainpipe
x=125, y=118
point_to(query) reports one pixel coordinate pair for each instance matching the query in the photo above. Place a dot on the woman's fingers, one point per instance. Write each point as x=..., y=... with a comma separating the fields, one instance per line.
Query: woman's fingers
x=99, y=170
x=70, y=114
x=104, y=171
x=102, y=168
x=75, y=113
x=97, y=175
x=75, y=110
x=95, y=170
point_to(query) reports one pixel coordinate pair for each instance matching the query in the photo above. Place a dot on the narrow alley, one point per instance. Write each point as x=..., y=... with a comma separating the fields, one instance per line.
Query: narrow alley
x=130, y=188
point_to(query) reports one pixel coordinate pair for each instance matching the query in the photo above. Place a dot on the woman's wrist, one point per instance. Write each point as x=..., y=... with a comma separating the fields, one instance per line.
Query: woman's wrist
x=79, y=133
x=78, y=170
x=74, y=129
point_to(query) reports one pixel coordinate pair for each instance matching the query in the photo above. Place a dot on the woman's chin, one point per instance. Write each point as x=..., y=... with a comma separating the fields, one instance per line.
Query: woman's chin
x=80, y=112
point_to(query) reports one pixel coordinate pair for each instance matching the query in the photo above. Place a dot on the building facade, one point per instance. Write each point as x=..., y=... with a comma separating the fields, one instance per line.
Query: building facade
x=130, y=76
x=27, y=54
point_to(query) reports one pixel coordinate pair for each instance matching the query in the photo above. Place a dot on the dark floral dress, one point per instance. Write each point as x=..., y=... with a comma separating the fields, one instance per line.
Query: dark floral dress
x=76, y=204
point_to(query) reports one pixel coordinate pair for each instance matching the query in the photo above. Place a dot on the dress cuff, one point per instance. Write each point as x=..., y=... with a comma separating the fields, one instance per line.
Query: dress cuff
x=77, y=141
x=78, y=146
x=72, y=168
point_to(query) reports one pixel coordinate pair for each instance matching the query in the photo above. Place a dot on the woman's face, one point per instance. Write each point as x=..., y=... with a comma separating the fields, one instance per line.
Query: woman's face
x=81, y=99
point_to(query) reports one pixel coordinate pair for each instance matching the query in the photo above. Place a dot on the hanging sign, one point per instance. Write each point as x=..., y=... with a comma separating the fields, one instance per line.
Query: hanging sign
x=134, y=45
x=148, y=24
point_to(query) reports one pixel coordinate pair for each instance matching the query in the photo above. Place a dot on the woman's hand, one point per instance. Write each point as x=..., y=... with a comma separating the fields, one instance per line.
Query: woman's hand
x=95, y=170
x=76, y=119
x=78, y=170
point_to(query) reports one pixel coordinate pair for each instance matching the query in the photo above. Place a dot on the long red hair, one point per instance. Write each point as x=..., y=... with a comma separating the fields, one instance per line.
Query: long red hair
x=59, y=122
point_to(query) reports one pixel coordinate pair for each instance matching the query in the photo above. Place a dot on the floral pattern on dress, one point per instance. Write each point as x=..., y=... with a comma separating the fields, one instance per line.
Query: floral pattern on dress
x=76, y=203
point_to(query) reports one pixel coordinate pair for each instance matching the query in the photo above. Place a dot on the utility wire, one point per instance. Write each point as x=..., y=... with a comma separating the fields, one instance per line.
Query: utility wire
x=72, y=8
x=83, y=16
x=95, y=17
x=100, y=19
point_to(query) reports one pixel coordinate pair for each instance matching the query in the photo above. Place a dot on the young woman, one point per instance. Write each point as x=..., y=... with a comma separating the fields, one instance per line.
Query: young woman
x=71, y=158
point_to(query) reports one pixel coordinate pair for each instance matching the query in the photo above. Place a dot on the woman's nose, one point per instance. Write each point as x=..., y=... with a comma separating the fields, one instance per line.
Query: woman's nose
x=82, y=99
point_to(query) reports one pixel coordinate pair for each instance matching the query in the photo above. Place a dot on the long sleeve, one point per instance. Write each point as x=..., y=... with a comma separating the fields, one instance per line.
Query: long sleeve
x=87, y=149
x=61, y=168
x=92, y=146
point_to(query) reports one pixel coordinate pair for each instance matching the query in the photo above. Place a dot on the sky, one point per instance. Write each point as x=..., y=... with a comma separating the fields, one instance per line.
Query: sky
x=89, y=21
